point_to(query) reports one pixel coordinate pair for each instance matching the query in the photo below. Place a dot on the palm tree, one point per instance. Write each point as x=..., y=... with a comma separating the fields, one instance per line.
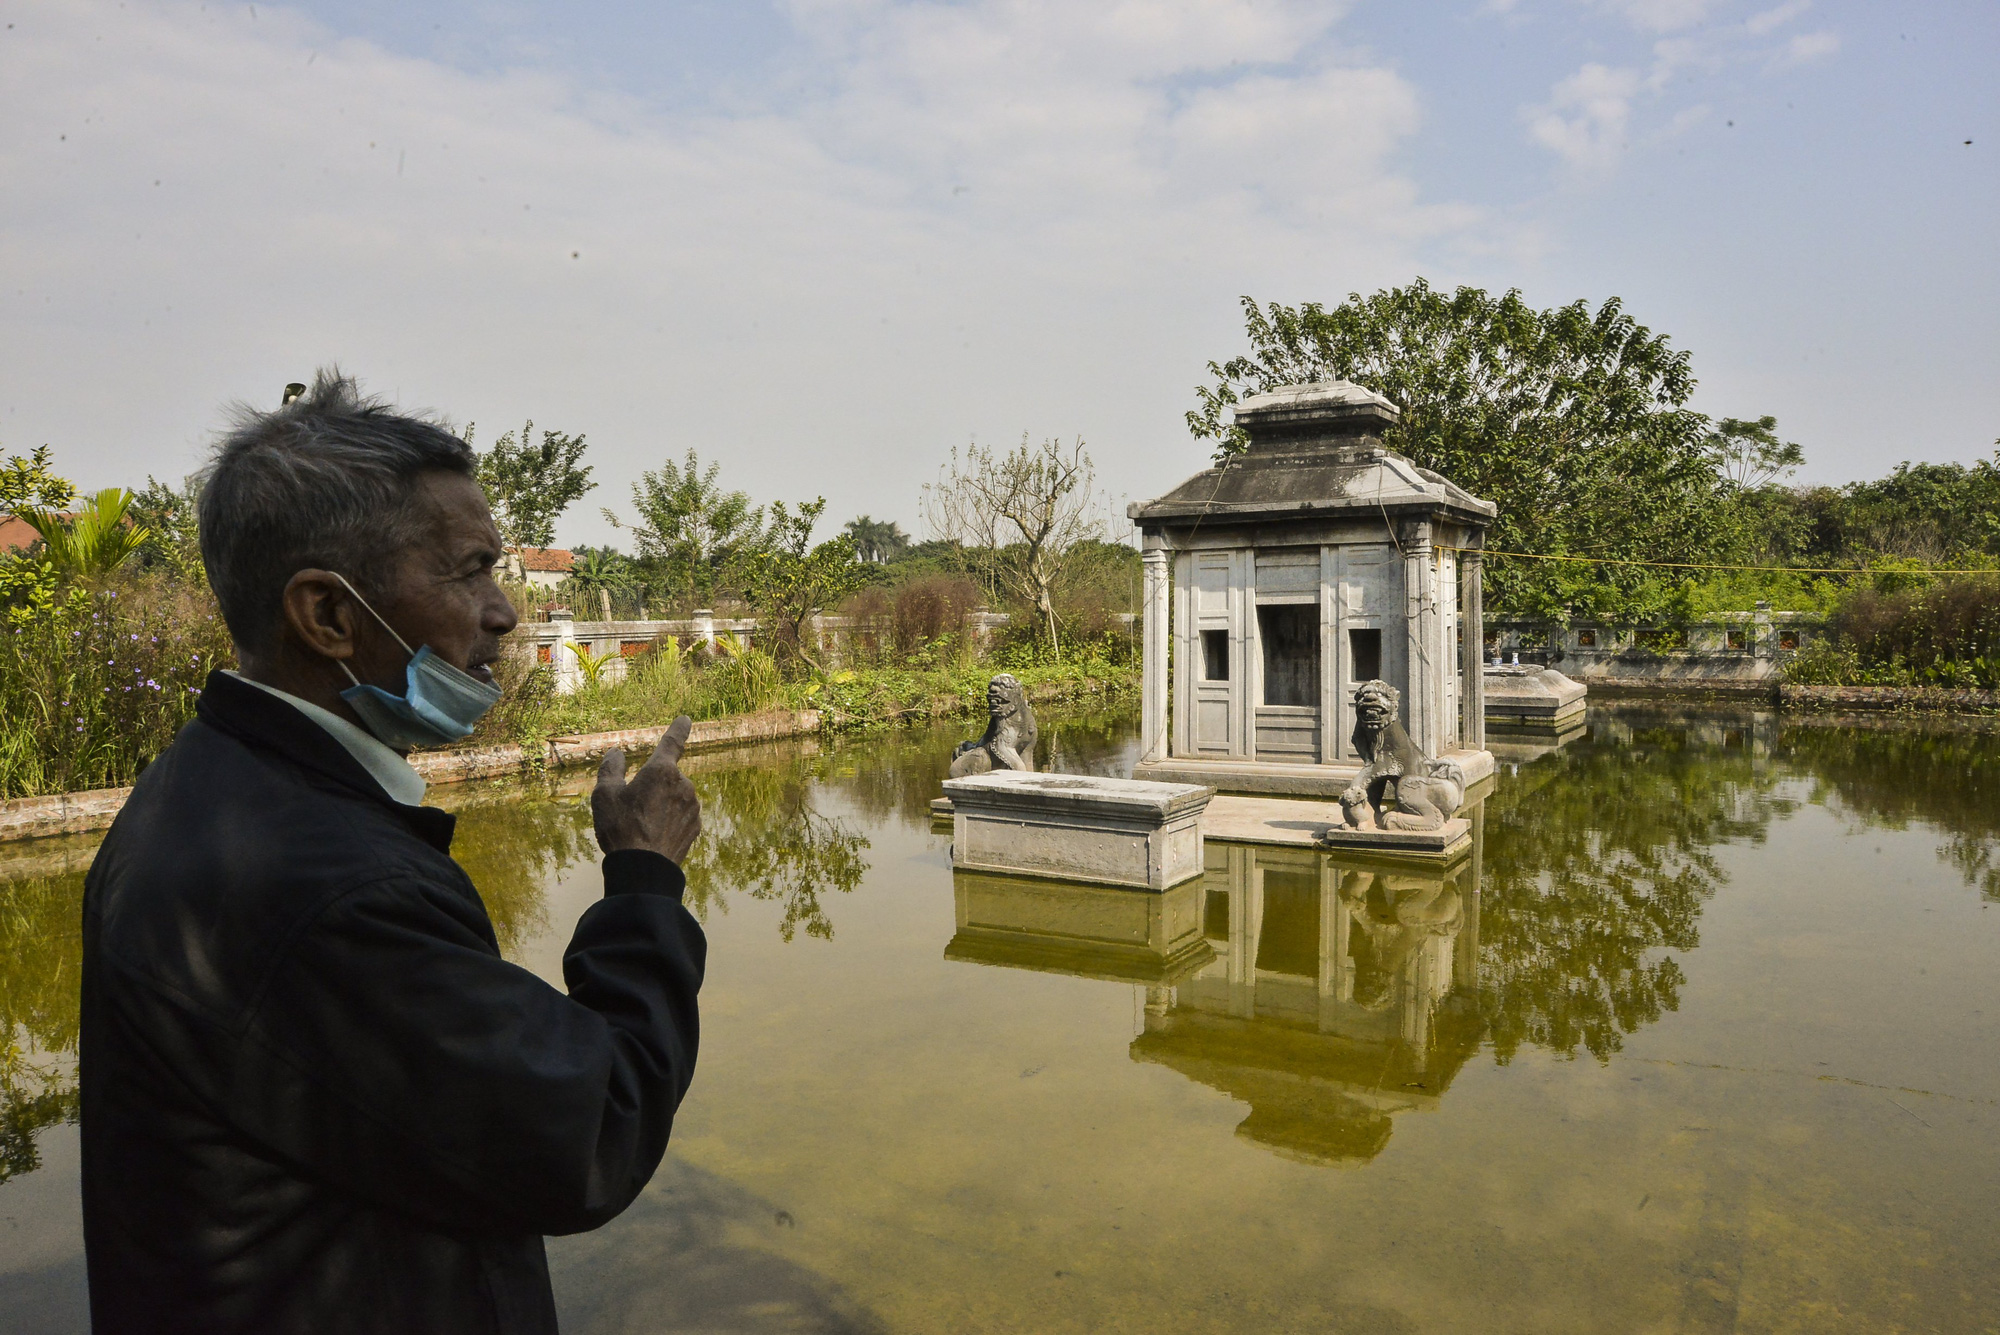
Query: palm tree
x=601, y=570
x=93, y=542
x=876, y=540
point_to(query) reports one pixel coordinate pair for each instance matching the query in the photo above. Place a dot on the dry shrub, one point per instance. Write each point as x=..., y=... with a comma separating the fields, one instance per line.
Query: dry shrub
x=932, y=607
x=1946, y=632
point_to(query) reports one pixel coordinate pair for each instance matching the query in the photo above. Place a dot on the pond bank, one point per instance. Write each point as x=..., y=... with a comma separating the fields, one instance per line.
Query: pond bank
x=78, y=813
x=82, y=812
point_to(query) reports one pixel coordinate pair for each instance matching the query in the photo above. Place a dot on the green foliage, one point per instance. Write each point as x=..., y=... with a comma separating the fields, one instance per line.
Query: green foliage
x=93, y=542
x=529, y=485
x=28, y=483
x=876, y=541
x=589, y=664
x=690, y=531
x=1750, y=455
x=170, y=519
x=787, y=578
x=95, y=685
x=1571, y=420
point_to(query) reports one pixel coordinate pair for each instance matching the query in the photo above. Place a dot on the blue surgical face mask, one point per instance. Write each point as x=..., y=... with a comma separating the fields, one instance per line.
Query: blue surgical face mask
x=441, y=704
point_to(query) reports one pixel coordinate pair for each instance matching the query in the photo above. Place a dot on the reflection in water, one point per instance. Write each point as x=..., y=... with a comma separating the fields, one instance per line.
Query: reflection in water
x=1326, y=993
x=41, y=950
x=1342, y=995
x=1599, y=858
x=1090, y=931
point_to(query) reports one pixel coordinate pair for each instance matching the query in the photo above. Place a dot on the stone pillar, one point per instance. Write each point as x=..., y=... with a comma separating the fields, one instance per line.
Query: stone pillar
x=1153, y=653
x=562, y=654
x=1420, y=611
x=1472, y=697
x=704, y=627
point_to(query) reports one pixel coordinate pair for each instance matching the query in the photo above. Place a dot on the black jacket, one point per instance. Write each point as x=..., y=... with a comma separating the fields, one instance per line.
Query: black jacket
x=315, y=1097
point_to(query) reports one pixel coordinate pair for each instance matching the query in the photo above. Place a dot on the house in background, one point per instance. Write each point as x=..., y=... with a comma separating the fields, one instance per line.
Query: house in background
x=16, y=535
x=542, y=567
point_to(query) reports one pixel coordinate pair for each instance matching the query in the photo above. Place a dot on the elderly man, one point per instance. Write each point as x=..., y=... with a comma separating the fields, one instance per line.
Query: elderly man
x=315, y=1097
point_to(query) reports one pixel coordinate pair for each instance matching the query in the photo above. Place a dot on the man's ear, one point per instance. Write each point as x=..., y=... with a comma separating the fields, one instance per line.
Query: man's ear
x=320, y=614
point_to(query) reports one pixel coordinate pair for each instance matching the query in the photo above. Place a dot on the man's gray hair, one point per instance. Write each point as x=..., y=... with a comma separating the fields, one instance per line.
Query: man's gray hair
x=327, y=481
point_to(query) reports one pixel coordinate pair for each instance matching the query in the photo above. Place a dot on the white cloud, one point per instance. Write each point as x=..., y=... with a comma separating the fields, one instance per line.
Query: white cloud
x=1805, y=49
x=1770, y=20
x=1660, y=15
x=1587, y=119
x=995, y=216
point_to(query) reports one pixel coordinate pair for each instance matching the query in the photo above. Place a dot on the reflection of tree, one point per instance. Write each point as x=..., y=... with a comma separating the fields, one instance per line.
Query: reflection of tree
x=1597, y=858
x=762, y=835
x=1942, y=773
x=510, y=848
x=41, y=952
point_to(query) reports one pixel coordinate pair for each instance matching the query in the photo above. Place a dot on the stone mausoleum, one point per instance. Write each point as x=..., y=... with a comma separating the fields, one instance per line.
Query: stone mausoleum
x=1315, y=560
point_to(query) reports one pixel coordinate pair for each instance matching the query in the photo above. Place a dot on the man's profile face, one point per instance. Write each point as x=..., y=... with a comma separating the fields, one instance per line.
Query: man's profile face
x=442, y=592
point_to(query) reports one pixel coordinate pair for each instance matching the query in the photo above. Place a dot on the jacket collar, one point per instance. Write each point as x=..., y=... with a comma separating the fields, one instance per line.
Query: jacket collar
x=260, y=719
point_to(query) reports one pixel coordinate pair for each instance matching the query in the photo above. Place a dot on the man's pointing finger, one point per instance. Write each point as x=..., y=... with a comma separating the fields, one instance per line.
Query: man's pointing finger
x=672, y=742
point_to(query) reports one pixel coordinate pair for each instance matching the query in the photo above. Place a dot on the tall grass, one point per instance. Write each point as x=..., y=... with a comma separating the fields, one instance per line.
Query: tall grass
x=656, y=685
x=94, y=687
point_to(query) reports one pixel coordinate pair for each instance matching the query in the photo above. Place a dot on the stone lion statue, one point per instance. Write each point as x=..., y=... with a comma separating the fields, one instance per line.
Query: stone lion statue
x=1427, y=791
x=1009, y=742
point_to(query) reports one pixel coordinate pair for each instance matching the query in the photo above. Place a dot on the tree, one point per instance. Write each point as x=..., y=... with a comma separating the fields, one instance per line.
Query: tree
x=1029, y=507
x=788, y=578
x=173, y=534
x=601, y=571
x=27, y=483
x=877, y=541
x=1750, y=455
x=93, y=542
x=1572, y=421
x=689, y=526
x=528, y=486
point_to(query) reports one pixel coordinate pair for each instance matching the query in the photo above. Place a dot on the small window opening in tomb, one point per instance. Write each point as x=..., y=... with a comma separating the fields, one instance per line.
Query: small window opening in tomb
x=1788, y=639
x=1215, y=655
x=1586, y=638
x=1738, y=639
x=1733, y=738
x=1290, y=633
x=1364, y=654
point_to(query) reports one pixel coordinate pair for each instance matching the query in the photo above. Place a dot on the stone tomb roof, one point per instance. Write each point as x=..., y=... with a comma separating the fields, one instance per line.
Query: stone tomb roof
x=1315, y=450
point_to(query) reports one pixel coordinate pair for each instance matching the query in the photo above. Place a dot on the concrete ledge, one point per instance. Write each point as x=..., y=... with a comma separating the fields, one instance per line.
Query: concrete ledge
x=1078, y=827
x=77, y=813
x=1296, y=824
x=1256, y=776
x=1890, y=699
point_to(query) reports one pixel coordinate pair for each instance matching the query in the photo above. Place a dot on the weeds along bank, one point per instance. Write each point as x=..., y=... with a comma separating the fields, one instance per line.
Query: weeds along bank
x=938, y=677
x=1906, y=630
x=95, y=683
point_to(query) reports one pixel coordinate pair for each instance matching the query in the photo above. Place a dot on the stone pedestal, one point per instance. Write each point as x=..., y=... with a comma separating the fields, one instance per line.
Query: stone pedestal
x=1087, y=931
x=1539, y=698
x=1078, y=827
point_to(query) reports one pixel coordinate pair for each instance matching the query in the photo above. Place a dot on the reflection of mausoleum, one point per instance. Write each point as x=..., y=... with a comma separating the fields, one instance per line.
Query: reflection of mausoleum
x=1341, y=995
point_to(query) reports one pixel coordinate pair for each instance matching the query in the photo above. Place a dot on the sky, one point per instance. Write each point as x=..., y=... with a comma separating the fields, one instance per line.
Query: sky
x=823, y=242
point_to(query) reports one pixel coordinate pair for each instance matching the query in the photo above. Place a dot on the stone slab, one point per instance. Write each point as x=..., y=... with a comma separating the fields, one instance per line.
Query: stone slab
x=1108, y=933
x=1078, y=827
x=1279, y=779
x=1289, y=822
x=1532, y=695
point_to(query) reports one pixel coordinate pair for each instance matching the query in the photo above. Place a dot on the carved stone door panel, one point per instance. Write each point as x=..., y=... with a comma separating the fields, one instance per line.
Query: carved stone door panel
x=1364, y=633
x=1213, y=651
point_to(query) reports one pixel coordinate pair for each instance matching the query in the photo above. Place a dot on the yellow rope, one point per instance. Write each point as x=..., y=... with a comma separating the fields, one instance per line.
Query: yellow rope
x=1773, y=570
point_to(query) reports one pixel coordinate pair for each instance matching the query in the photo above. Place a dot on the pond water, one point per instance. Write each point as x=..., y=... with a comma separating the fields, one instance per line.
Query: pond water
x=1694, y=1041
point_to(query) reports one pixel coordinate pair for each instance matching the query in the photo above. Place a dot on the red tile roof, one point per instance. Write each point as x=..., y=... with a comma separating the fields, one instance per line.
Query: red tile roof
x=16, y=534
x=555, y=560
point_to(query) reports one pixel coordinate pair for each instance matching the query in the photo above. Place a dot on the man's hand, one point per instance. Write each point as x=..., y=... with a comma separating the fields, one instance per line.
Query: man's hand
x=657, y=810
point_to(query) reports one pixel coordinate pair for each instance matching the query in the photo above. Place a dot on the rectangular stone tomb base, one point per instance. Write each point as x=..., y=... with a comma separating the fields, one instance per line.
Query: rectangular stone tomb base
x=1078, y=827
x=1300, y=824
x=1111, y=933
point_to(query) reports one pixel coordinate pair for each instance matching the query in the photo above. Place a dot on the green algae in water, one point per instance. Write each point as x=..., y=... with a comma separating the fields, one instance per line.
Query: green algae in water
x=1698, y=1040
